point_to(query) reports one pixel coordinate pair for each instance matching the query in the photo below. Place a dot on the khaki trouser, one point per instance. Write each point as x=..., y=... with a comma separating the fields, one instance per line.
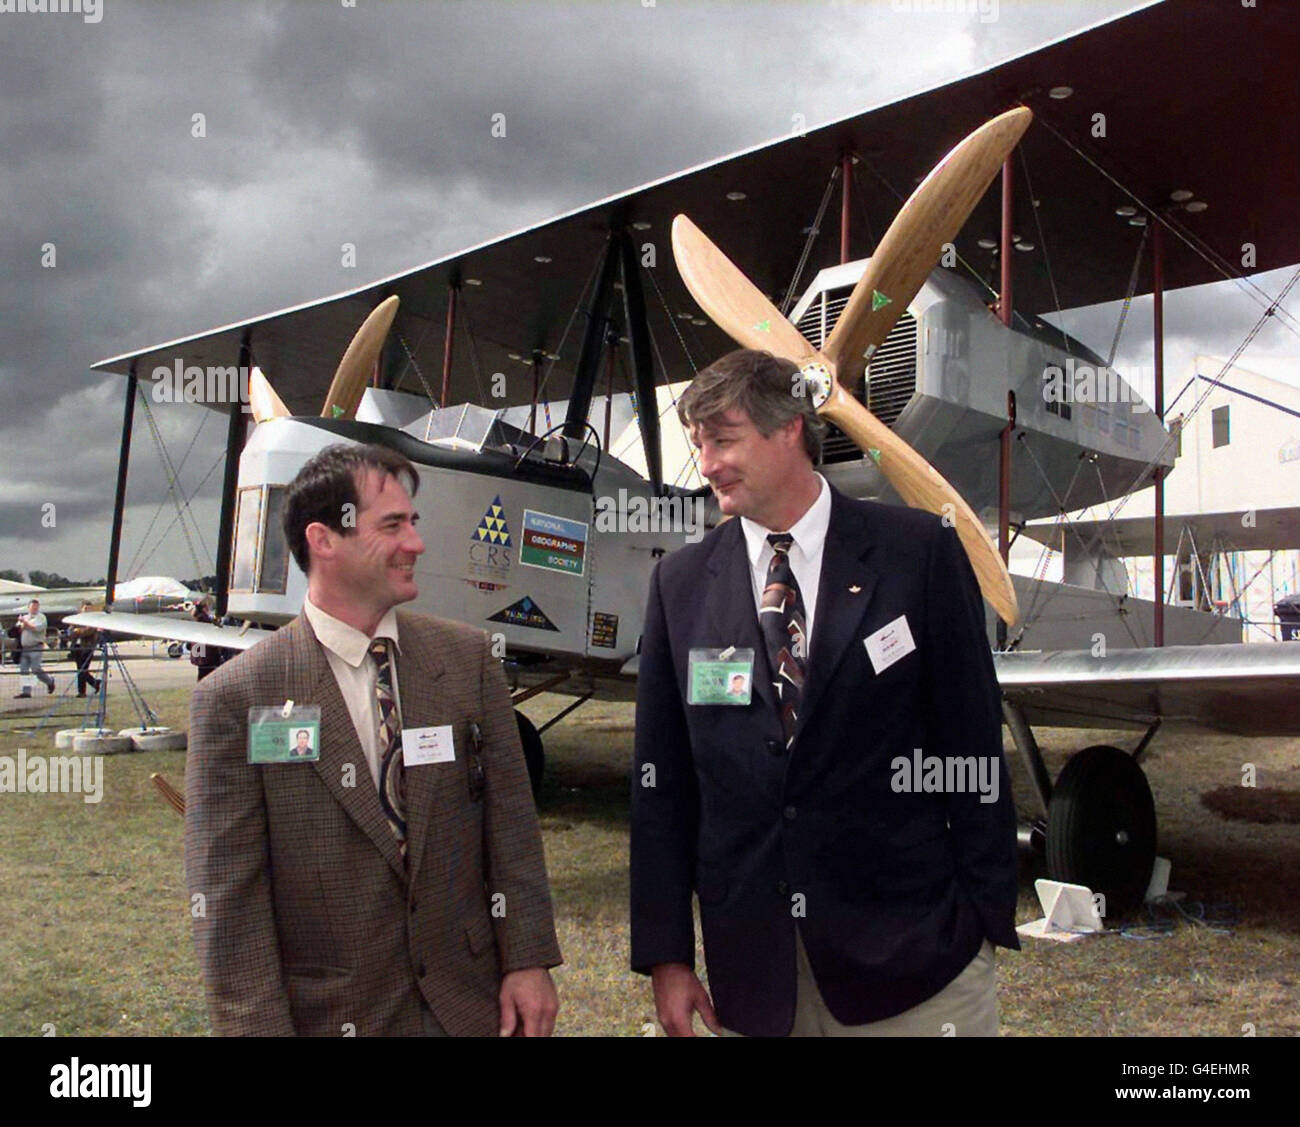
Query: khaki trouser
x=966, y=1007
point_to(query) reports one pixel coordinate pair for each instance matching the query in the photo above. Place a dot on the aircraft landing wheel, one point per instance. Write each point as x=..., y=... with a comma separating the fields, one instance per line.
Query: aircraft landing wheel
x=534, y=756
x=1101, y=827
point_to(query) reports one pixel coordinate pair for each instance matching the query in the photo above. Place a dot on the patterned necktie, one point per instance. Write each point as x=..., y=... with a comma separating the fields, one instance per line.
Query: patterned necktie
x=392, y=778
x=781, y=618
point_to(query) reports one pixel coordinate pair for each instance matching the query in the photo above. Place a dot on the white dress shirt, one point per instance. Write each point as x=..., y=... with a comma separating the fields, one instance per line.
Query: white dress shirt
x=809, y=535
x=348, y=652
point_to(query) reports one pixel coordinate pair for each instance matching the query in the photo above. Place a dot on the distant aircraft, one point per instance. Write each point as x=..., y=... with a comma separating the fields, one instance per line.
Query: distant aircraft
x=149, y=594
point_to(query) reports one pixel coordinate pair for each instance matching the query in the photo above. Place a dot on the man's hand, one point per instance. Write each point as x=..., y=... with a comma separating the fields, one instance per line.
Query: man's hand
x=528, y=1003
x=678, y=994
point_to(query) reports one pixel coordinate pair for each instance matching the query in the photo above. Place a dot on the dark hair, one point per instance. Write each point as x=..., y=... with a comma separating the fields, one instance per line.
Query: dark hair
x=303, y=732
x=760, y=384
x=328, y=482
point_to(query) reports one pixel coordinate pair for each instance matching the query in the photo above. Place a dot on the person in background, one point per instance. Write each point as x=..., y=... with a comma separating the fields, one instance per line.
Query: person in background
x=206, y=657
x=84, y=643
x=32, y=640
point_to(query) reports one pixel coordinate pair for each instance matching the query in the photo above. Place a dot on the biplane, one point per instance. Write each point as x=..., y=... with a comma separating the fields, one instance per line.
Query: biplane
x=532, y=377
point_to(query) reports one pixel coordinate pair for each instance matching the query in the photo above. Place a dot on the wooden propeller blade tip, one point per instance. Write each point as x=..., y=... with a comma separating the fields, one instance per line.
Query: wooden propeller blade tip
x=359, y=361
x=731, y=300
x=262, y=399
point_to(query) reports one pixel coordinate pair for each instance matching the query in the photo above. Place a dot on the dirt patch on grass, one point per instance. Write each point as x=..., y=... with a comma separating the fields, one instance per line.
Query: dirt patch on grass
x=1254, y=804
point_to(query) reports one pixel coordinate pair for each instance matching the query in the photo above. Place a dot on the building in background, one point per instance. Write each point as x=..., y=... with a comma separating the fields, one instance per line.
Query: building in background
x=1232, y=503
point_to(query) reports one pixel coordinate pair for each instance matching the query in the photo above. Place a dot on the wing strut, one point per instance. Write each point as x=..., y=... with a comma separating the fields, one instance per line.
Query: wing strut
x=643, y=375
x=236, y=436
x=593, y=342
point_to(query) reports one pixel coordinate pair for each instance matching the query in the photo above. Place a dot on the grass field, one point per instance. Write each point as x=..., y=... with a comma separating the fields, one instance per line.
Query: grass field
x=95, y=935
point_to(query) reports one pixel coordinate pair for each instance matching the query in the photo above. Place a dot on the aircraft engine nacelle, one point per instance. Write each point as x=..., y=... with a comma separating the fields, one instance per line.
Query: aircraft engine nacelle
x=941, y=378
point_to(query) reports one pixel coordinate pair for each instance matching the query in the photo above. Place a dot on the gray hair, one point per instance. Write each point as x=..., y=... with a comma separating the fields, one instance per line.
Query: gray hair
x=767, y=388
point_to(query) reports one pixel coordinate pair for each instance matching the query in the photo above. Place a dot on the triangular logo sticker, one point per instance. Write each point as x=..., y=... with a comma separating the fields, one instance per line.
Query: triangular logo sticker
x=524, y=613
x=878, y=300
x=492, y=529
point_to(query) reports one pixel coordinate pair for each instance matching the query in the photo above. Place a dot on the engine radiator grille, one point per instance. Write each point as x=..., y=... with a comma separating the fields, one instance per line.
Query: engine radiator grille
x=890, y=381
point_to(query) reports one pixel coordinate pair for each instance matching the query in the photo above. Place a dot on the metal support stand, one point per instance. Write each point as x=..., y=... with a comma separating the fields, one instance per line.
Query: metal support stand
x=1147, y=738
x=565, y=712
x=98, y=704
x=1030, y=754
x=1158, y=344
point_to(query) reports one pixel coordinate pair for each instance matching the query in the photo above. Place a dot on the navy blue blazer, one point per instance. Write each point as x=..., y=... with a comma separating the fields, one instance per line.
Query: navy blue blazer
x=893, y=888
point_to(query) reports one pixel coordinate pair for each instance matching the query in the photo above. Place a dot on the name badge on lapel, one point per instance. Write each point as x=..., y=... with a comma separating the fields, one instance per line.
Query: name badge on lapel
x=288, y=734
x=427, y=745
x=889, y=644
x=720, y=676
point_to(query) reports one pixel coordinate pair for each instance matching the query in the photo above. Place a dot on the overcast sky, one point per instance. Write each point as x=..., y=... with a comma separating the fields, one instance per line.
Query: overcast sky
x=371, y=124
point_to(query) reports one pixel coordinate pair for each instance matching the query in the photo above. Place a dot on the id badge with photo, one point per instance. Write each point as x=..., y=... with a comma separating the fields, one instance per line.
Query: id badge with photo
x=284, y=734
x=720, y=676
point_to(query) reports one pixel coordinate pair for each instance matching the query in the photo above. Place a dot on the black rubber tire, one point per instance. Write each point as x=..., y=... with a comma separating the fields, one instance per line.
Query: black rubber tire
x=1101, y=828
x=534, y=756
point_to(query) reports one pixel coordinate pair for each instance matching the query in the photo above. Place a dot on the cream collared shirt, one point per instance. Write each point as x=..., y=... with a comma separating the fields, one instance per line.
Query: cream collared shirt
x=348, y=652
x=809, y=534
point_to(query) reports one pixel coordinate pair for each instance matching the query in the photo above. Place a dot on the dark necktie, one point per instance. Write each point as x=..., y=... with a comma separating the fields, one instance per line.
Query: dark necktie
x=392, y=789
x=781, y=618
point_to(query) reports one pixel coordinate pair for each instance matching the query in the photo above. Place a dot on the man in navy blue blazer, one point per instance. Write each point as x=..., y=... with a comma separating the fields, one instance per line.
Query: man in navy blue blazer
x=848, y=824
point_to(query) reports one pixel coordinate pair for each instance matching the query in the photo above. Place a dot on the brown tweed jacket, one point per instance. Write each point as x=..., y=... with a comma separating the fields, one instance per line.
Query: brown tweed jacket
x=308, y=922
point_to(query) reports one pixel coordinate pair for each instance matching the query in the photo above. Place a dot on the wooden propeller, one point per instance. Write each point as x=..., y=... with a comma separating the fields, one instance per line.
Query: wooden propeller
x=262, y=400
x=903, y=260
x=359, y=362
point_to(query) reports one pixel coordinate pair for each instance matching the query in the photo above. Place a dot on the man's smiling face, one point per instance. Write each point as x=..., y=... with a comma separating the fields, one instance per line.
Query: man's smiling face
x=376, y=560
x=747, y=470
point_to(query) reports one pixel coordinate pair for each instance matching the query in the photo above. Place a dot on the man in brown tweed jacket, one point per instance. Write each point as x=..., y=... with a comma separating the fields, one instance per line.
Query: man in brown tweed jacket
x=314, y=913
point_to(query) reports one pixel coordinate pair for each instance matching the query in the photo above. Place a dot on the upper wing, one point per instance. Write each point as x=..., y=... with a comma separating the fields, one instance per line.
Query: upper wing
x=1244, y=690
x=1173, y=96
x=173, y=629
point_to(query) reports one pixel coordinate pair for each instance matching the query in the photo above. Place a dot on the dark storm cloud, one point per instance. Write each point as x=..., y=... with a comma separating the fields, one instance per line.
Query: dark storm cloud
x=369, y=125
